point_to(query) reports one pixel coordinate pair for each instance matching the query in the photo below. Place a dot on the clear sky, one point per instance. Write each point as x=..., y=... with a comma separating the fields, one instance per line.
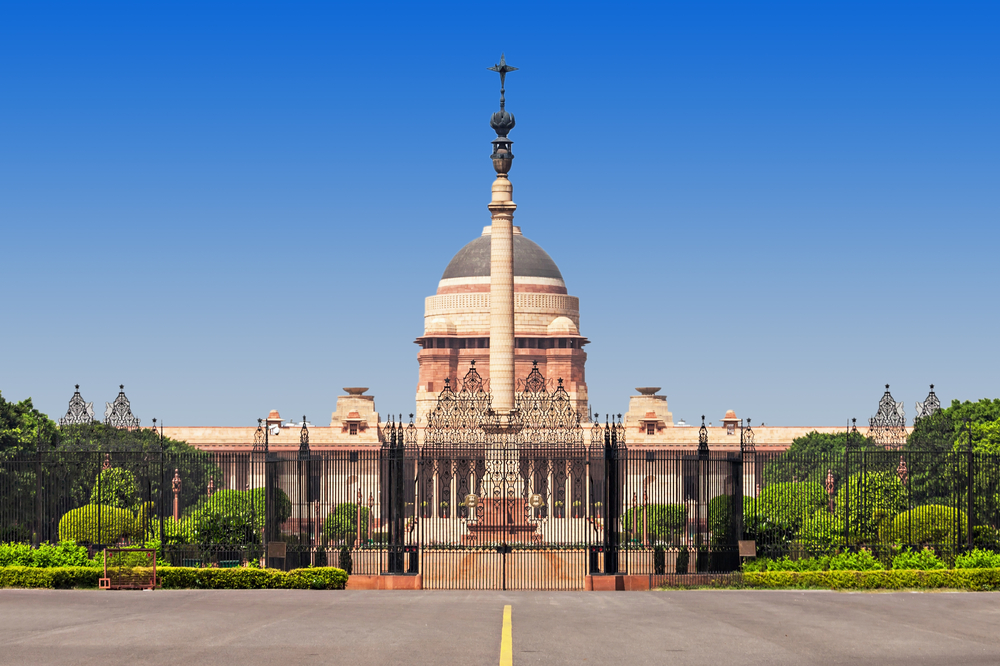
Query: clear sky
x=772, y=208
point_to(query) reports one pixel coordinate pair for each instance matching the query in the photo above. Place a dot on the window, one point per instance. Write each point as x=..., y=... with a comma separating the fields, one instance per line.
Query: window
x=730, y=428
x=352, y=429
x=650, y=428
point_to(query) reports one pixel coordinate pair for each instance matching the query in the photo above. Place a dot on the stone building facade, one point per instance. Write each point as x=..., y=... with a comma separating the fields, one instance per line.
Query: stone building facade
x=457, y=322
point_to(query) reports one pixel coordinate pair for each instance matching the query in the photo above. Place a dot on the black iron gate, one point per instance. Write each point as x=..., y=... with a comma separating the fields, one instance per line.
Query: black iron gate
x=502, y=518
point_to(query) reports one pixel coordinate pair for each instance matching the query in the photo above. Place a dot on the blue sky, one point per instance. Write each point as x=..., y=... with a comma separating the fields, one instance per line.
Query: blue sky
x=772, y=208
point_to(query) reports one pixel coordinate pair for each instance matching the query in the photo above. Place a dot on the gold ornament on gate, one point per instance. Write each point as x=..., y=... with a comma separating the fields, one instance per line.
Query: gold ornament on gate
x=471, y=501
x=536, y=501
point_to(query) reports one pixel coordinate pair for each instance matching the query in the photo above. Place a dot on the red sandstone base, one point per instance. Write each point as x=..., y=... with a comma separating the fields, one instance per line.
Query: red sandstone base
x=361, y=582
x=618, y=583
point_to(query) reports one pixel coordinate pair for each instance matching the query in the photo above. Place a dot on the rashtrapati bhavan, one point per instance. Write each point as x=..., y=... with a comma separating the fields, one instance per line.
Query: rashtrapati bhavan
x=464, y=329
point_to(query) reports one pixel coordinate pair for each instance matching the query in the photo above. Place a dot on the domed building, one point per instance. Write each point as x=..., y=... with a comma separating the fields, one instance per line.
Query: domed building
x=457, y=323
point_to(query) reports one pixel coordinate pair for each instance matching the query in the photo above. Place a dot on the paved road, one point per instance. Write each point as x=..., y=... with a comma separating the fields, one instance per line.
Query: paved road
x=247, y=627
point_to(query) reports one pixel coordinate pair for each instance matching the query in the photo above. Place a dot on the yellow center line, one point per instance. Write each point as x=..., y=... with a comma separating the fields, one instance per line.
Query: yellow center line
x=506, y=646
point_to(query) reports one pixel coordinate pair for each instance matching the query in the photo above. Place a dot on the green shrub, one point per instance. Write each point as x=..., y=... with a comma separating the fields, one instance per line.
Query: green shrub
x=314, y=578
x=317, y=578
x=978, y=559
x=228, y=517
x=663, y=521
x=821, y=530
x=931, y=524
x=922, y=560
x=986, y=537
x=62, y=554
x=115, y=487
x=720, y=518
x=862, y=560
x=659, y=561
x=875, y=500
x=683, y=559
x=958, y=579
x=346, y=563
x=787, y=564
x=786, y=505
x=342, y=522
x=95, y=524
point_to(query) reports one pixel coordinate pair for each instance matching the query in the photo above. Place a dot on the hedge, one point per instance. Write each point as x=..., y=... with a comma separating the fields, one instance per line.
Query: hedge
x=53, y=578
x=958, y=579
x=316, y=578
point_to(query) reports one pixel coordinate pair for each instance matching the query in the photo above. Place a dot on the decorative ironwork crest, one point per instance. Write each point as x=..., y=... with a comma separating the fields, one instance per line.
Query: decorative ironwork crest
x=748, y=442
x=79, y=412
x=119, y=413
x=703, y=439
x=540, y=417
x=930, y=405
x=304, y=451
x=888, y=427
x=613, y=431
x=260, y=443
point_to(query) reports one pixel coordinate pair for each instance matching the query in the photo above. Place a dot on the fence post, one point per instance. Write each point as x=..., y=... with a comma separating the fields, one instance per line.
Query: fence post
x=847, y=486
x=971, y=490
x=36, y=533
x=162, y=512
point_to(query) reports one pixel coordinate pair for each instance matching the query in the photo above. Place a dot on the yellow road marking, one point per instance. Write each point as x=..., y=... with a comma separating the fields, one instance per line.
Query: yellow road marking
x=506, y=646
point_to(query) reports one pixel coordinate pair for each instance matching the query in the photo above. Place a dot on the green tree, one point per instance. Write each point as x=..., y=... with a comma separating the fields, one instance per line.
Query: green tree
x=342, y=522
x=720, y=522
x=809, y=457
x=939, y=431
x=985, y=437
x=23, y=429
x=115, y=487
x=786, y=505
x=664, y=522
x=230, y=517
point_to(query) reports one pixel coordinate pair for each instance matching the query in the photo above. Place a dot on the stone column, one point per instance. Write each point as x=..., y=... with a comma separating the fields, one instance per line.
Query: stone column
x=502, y=295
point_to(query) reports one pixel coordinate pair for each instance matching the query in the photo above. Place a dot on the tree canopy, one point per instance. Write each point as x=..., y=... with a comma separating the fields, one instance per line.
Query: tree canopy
x=23, y=428
x=939, y=431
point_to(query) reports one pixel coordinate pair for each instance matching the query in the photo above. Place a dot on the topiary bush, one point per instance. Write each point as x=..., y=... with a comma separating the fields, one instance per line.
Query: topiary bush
x=94, y=524
x=924, y=559
x=929, y=525
x=683, y=559
x=821, y=530
x=986, y=538
x=786, y=505
x=346, y=563
x=875, y=499
x=115, y=487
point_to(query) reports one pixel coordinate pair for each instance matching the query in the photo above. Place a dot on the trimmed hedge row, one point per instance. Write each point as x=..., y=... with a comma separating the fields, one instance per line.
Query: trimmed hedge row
x=176, y=578
x=897, y=579
x=52, y=578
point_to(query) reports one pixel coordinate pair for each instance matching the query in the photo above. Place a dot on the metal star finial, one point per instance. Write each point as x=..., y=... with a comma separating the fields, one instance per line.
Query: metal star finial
x=502, y=68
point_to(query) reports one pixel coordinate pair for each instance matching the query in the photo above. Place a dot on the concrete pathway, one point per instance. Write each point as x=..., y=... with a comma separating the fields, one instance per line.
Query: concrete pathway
x=247, y=627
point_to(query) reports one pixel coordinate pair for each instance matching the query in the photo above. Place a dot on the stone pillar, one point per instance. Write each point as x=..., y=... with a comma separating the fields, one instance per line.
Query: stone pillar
x=502, y=295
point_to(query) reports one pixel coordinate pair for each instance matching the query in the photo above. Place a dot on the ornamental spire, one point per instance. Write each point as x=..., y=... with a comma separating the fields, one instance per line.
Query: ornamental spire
x=502, y=123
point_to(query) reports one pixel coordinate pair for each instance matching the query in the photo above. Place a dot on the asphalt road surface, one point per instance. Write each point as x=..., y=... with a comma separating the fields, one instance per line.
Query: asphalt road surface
x=247, y=627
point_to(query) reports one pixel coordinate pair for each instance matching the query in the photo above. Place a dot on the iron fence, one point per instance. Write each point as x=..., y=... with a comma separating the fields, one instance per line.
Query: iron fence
x=543, y=518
